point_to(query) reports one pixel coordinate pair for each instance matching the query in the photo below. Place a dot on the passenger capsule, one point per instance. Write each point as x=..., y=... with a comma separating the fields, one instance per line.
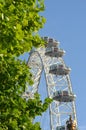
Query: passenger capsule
x=64, y=96
x=46, y=39
x=60, y=128
x=54, y=52
x=50, y=42
x=59, y=69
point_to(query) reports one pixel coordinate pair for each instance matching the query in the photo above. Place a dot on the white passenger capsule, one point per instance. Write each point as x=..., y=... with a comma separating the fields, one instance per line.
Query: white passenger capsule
x=50, y=42
x=54, y=52
x=63, y=96
x=59, y=69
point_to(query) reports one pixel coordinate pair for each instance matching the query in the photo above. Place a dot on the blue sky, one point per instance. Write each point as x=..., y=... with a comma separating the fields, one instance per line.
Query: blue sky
x=66, y=22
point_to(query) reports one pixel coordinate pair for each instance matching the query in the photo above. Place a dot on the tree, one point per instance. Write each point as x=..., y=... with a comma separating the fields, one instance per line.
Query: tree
x=19, y=25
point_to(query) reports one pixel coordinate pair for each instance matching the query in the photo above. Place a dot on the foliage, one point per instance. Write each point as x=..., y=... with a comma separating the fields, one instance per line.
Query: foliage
x=19, y=25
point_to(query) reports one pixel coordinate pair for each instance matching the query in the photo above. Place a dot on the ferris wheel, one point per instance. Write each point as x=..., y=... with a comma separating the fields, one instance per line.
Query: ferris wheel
x=58, y=84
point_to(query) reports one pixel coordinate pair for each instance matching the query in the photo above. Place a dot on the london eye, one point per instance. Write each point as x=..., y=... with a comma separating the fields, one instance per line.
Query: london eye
x=49, y=59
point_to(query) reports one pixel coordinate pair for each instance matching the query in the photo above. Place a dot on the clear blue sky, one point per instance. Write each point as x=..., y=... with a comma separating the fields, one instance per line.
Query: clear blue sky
x=66, y=22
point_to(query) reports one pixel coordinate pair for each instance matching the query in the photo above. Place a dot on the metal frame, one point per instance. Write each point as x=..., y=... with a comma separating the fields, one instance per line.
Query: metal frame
x=59, y=111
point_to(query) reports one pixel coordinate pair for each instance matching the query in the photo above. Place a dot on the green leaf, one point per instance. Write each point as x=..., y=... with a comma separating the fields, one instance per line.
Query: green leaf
x=19, y=26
